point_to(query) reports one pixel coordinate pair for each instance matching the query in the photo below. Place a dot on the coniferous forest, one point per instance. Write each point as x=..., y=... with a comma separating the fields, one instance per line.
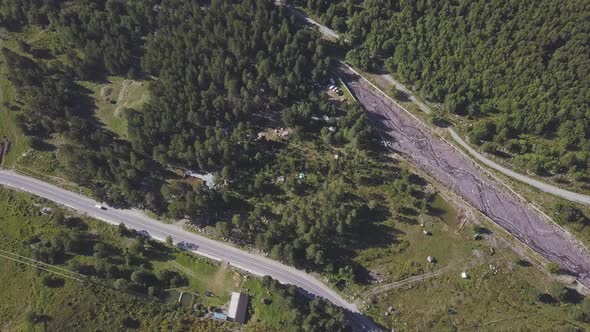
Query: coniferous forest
x=518, y=70
x=221, y=73
x=238, y=90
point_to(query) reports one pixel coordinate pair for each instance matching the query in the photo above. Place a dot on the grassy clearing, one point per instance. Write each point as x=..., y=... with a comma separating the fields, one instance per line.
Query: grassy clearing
x=203, y=276
x=404, y=255
x=68, y=305
x=504, y=300
x=20, y=144
x=111, y=99
x=276, y=313
x=8, y=127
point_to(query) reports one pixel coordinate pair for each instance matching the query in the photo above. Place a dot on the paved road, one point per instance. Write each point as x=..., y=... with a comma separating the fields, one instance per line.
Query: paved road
x=133, y=219
x=461, y=174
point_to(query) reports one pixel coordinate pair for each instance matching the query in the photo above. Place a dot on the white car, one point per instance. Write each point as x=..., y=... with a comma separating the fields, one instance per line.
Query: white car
x=102, y=207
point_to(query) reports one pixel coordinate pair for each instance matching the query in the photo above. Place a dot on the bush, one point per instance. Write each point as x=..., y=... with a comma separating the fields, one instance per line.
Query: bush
x=121, y=284
x=489, y=147
x=553, y=267
x=129, y=322
x=52, y=282
x=482, y=131
x=582, y=313
x=567, y=213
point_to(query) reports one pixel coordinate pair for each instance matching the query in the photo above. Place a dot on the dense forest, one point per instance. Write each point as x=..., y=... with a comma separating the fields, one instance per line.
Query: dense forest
x=218, y=67
x=224, y=77
x=518, y=70
x=235, y=89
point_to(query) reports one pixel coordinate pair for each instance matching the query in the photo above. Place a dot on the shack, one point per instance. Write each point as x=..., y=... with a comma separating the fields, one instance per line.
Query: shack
x=238, y=307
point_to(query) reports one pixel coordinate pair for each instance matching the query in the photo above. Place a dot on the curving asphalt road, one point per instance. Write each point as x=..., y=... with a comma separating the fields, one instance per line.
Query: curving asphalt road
x=461, y=174
x=134, y=219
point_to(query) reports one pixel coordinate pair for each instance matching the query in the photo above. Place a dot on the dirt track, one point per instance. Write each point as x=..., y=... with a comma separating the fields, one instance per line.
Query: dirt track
x=456, y=171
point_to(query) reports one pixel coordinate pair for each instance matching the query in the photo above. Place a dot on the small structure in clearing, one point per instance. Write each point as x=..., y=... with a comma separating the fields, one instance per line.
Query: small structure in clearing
x=208, y=179
x=464, y=275
x=430, y=259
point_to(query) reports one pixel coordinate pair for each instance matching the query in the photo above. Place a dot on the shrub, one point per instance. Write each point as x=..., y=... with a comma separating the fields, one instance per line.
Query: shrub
x=553, y=267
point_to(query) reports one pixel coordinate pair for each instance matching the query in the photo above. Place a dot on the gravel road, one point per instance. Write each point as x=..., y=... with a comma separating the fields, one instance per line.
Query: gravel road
x=459, y=173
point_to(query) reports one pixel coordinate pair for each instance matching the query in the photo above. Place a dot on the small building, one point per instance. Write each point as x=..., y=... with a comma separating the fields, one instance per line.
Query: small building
x=430, y=259
x=208, y=179
x=261, y=135
x=427, y=233
x=332, y=129
x=464, y=275
x=238, y=307
x=283, y=133
x=280, y=179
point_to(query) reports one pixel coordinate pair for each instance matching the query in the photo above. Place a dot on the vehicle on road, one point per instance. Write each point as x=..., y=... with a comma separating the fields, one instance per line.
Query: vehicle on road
x=144, y=233
x=99, y=206
x=187, y=246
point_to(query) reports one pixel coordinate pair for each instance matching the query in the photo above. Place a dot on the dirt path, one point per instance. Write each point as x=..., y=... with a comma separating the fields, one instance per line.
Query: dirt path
x=401, y=283
x=463, y=176
x=122, y=100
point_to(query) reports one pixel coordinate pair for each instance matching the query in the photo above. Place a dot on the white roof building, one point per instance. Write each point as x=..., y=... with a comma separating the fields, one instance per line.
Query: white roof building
x=208, y=178
x=238, y=307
